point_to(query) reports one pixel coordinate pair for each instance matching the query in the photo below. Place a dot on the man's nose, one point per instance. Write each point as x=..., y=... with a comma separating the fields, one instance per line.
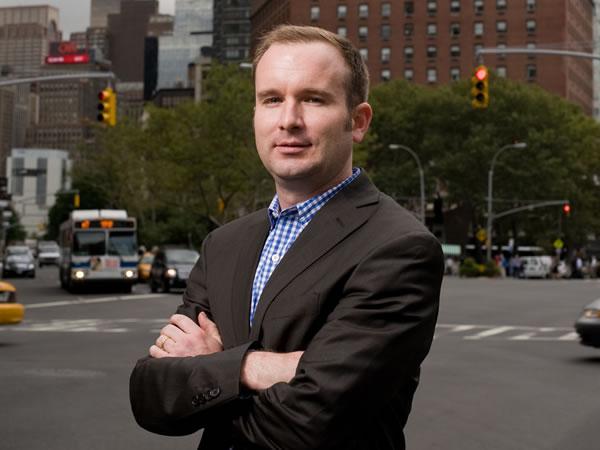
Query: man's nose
x=291, y=116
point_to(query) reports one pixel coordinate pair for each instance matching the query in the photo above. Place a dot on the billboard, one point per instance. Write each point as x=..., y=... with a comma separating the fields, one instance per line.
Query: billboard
x=66, y=52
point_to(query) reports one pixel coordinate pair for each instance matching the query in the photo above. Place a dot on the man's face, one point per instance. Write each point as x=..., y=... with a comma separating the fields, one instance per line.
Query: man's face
x=304, y=131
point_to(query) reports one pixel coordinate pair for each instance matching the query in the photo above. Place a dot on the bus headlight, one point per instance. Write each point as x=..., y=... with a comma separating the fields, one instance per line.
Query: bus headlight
x=171, y=273
x=79, y=274
x=129, y=274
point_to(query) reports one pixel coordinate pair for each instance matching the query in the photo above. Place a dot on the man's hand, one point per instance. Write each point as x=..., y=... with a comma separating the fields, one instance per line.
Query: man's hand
x=261, y=370
x=183, y=337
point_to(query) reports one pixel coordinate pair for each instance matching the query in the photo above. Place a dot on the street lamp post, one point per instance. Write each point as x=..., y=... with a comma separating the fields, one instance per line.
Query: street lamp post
x=490, y=217
x=421, y=175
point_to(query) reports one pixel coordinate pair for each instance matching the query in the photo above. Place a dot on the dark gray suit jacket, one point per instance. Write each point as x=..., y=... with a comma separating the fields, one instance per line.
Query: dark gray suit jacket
x=358, y=292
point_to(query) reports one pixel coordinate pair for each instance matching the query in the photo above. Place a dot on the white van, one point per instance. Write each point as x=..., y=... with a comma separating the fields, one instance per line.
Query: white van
x=536, y=266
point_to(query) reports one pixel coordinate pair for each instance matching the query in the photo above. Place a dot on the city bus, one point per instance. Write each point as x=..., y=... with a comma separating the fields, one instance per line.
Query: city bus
x=98, y=246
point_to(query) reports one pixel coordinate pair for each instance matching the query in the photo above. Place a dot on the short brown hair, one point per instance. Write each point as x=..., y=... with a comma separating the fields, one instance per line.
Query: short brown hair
x=357, y=87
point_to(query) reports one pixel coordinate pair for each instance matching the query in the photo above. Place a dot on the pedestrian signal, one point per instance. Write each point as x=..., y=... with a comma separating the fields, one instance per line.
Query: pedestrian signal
x=107, y=107
x=567, y=209
x=480, y=96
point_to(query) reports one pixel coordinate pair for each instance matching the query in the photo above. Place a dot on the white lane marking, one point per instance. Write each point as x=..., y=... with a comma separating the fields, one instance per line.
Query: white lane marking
x=82, y=300
x=491, y=332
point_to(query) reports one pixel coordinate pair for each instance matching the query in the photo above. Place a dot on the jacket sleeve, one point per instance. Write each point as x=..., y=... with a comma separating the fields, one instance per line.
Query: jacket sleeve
x=373, y=341
x=178, y=396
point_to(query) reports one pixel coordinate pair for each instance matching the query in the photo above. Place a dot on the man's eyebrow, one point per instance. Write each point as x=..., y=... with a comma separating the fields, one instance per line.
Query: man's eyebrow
x=267, y=93
x=309, y=91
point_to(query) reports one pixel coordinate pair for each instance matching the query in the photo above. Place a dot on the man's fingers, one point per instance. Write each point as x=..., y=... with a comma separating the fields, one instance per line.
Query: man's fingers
x=173, y=332
x=209, y=327
x=184, y=323
x=156, y=352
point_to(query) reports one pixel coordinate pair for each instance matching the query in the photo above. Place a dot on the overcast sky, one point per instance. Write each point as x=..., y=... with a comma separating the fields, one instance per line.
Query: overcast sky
x=75, y=14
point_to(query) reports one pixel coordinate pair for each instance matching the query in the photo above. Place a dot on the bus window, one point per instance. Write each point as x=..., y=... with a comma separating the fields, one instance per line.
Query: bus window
x=89, y=243
x=122, y=243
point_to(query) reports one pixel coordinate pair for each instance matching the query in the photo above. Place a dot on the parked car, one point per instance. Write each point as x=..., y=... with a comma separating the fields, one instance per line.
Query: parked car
x=588, y=325
x=11, y=312
x=48, y=252
x=171, y=268
x=145, y=266
x=536, y=266
x=18, y=260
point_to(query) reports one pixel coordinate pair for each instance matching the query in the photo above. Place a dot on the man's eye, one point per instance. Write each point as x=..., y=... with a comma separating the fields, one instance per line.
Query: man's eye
x=269, y=100
x=314, y=100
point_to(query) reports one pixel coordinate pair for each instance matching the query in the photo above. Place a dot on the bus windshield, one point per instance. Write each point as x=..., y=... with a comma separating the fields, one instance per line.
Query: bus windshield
x=122, y=243
x=89, y=243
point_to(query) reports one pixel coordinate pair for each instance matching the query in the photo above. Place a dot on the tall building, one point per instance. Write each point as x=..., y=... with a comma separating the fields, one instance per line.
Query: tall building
x=231, y=25
x=25, y=35
x=160, y=25
x=99, y=11
x=126, y=35
x=435, y=41
x=192, y=30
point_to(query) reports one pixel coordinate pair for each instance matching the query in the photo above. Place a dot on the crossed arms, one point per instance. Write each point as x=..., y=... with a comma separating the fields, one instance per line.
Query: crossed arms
x=362, y=358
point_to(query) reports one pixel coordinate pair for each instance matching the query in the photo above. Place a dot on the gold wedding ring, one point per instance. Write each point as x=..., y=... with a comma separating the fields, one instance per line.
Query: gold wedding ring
x=161, y=341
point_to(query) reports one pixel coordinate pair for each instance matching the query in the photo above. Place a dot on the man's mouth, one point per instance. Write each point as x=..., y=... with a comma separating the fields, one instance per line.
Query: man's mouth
x=291, y=146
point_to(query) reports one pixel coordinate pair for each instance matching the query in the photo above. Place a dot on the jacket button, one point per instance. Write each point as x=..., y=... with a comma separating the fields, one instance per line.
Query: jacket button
x=197, y=400
x=214, y=393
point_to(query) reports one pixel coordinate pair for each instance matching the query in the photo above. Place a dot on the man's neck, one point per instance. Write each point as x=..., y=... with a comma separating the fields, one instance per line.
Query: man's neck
x=292, y=192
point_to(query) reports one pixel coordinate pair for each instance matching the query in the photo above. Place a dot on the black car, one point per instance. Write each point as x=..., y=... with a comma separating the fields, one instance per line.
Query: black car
x=171, y=268
x=18, y=260
x=588, y=324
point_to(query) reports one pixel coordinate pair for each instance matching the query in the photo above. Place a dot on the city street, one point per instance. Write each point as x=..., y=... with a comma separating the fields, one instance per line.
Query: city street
x=505, y=371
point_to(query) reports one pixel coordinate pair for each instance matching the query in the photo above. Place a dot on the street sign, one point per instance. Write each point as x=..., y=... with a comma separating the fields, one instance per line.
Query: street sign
x=21, y=172
x=558, y=244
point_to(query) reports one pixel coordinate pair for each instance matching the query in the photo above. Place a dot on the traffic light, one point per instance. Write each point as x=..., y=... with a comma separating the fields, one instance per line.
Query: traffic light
x=566, y=209
x=107, y=107
x=480, y=96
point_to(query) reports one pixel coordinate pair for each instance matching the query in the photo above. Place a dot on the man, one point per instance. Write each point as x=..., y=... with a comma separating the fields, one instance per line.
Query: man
x=303, y=327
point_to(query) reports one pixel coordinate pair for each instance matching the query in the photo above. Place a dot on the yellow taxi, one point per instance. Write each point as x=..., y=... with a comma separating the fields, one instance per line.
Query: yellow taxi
x=11, y=312
x=144, y=266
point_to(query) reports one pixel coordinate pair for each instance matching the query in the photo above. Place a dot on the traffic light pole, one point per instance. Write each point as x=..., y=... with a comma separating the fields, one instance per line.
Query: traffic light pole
x=532, y=51
x=66, y=76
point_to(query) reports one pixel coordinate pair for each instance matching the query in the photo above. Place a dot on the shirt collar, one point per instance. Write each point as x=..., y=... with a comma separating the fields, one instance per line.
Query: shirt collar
x=308, y=208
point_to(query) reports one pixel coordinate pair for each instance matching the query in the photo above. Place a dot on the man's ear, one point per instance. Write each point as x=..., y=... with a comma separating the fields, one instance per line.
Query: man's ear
x=361, y=119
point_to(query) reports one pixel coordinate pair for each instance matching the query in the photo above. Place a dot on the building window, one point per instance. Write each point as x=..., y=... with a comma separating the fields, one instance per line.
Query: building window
x=409, y=74
x=431, y=75
x=409, y=8
x=455, y=6
x=477, y=49
x=408, y=29
x=454, y=74
x=500, y=5
x=386, y=74
x=478, y=6
x=364, y=53
x=342, y=31
x=409, y=51
x=363, y=32
x=431, y=29
x=386, y=9
x=478, y=29
x=386, y=32
x=431, y=51
x=455, y=29
x=455, y=51
x=315, y=11
x=432, y=6
x=342, y=11
x=501, y=26
x=531, y=46
x=530, y=25
x=363, y=11
x=501, y=71
x=531, y=72
x=530, y=5
x=385, y=54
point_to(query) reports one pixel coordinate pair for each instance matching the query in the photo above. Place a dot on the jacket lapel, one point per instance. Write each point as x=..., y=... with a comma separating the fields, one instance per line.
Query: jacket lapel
x=241, y=290
x=344, y=213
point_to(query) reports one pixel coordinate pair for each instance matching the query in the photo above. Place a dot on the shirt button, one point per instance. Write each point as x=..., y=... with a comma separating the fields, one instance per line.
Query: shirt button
x=275, y=258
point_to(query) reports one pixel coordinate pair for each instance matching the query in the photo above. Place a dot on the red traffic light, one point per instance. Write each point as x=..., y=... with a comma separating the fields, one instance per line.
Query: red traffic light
x=567, y=209
x=481, y=73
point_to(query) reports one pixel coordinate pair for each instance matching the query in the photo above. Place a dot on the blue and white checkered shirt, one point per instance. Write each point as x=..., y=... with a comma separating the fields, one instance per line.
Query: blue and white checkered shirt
x=286, y=226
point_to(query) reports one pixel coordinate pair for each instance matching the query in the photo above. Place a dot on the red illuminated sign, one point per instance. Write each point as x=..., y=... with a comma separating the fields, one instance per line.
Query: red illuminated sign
x=68, y=59
x=66, y=52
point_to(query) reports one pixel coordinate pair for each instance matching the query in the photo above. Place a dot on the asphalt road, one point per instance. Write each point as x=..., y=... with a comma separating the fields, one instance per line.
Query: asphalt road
x=505, y=372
